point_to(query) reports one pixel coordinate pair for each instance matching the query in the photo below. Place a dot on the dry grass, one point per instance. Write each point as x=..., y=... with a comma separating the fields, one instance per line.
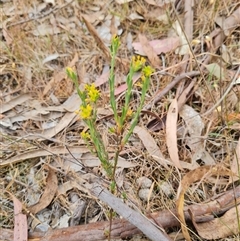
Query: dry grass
x=23, y=49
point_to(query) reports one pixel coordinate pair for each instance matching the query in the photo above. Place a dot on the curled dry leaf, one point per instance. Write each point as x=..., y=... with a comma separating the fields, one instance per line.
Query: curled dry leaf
x=171, y=133
x=48, y=194
x=188, y=179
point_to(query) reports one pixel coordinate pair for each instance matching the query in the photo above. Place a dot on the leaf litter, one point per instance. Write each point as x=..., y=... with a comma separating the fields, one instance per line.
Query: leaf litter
x=38, y=103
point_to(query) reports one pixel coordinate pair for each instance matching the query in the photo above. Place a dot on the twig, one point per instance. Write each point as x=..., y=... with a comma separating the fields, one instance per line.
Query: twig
x=176, y=80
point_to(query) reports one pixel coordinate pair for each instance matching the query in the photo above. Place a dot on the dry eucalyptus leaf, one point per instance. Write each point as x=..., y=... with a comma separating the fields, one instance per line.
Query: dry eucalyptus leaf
x=97, y=38
x=149, y=51
x=221, y=227
x=20, y=221
x=48, y=194
x=90, y=160
x=171, y=133
x=184, y=48
x=216, y=70
x=150, y=144
x=159, y=46
x=50, y=58
x=63, y=123
x=43, y=152
x=194, y=128
x=14, y=102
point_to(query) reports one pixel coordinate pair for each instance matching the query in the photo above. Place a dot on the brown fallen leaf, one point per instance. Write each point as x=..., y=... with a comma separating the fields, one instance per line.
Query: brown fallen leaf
x=150, y=144
x=148, y=49
x=123, y=87
x=220, y=228
x=159, y=46
x=188, y=179
x=194, y=127
x=20, y=221
x=65, y=121
x=43, y=152
x=14, y=102
x=48, y=194
x=102, y=79
x=98, y=40
x=171, y=133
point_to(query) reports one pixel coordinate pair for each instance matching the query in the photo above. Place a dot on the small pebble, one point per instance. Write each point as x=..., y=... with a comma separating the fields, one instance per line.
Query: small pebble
x=144, y=182
x=166, y=188
x=144, y=194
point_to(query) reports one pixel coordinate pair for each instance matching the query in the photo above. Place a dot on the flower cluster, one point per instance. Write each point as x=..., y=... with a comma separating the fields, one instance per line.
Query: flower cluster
x=92, y=93
x=146, y=73
x=89, y=96
x=137, y=63
x=86, y=111
x=85, y=135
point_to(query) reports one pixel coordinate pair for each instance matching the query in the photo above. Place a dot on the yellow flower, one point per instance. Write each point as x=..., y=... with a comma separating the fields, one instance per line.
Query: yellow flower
x=138, y=62
x=92, y=92
x=129, y=113
x=85, y=135
x=147, y=71
x=86, y=111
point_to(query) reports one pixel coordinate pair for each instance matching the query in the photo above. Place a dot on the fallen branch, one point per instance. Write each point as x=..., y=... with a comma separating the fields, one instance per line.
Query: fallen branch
x=121, y=228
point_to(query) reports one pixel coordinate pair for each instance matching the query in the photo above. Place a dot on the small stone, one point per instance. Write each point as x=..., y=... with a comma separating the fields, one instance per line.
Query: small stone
x=144, y=182
x=166, y=188
x=144, y=194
